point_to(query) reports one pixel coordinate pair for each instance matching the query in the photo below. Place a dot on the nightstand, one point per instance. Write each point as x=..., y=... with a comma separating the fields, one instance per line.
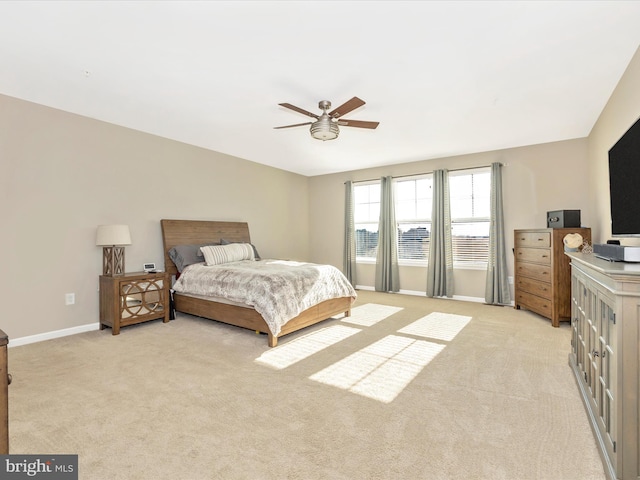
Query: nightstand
x=133, y=298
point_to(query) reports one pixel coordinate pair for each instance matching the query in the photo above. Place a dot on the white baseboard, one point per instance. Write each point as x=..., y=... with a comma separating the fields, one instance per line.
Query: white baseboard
x=468, y=299
x=16, y=342
x=41, y=337
x=424, y=294
x=362, y=287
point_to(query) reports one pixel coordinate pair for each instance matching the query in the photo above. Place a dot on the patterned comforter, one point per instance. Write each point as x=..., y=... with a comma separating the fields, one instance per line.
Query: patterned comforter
x=279, y=290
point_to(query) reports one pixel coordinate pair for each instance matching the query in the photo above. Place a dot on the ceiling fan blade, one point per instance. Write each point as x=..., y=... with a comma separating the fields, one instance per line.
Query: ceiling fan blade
x=346, y=107
x=357, y=123
x=296, y=125
x=298, y=109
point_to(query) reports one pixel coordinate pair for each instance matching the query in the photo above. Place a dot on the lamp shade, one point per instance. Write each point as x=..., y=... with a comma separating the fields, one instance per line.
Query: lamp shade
x=113, y=235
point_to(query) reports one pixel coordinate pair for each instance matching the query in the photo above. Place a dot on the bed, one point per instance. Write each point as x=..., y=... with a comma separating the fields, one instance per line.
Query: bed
x=196, y=232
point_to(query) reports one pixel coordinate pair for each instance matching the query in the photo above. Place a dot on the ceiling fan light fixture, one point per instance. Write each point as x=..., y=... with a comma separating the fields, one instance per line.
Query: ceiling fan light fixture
x=324, y=129
x=326, y=125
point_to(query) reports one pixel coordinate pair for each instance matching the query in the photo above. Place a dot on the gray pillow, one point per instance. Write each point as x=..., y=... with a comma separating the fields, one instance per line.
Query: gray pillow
x=185, y=255
x=255, y=250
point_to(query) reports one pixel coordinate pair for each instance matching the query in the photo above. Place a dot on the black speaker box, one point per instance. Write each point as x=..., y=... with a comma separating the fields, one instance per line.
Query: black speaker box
x=607, y=251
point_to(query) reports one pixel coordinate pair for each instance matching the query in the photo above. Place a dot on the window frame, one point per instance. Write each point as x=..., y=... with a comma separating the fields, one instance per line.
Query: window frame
x=457, y=264
x=414, y=262
x=361, y=259
x=477, y=265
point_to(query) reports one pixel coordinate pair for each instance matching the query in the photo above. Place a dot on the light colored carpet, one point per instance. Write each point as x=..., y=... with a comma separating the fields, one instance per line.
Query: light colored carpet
x=196, y=399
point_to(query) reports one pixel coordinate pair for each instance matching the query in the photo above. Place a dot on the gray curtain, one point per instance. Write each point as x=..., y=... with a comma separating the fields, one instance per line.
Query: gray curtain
x=497, y=290
x=387, y=272
x=349, y=258
x=440, y=268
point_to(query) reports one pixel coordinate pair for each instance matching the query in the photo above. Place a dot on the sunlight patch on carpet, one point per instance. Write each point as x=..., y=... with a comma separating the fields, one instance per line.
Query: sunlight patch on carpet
x=437, y=325
x=383, y=369
x=291, y=352
x=370, y=313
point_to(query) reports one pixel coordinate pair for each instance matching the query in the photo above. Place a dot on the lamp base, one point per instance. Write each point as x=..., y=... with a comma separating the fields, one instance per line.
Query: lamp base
x=113, y=261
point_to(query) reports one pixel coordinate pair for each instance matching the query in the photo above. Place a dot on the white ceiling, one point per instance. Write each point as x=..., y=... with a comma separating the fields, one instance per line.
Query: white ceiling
x=442, y=78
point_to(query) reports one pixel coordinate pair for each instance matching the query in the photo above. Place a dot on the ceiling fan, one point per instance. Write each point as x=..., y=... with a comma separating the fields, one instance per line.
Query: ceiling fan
x=326, y=125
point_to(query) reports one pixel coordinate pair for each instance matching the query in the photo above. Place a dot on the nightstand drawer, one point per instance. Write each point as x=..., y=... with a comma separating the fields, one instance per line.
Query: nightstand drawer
x=535, y=255
x=532, y=239
x=133, y=298
x=532, y=270
x=140, y=298
x=536, y=287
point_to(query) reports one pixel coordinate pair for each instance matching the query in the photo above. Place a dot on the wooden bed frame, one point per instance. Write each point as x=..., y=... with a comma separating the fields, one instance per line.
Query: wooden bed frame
x=190, y=232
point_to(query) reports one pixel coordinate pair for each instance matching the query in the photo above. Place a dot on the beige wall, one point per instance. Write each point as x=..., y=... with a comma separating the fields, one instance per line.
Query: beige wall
x=622, y=110
x=62, y=175
x=562, y=175
x=536, y=179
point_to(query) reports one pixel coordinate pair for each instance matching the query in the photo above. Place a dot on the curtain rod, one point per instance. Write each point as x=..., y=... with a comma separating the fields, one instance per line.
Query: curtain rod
x=427, y=173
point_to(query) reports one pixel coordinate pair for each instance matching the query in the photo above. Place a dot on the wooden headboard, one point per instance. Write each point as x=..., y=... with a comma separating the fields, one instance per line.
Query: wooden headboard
x=195, y=232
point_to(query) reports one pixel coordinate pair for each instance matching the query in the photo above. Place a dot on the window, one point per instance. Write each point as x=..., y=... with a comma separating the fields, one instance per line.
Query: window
x=366, y=217
x=470, y=211
x=413, y=215
x=470, y=192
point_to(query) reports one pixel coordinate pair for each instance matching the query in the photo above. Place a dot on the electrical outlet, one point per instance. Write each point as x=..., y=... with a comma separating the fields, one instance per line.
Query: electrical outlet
x=510, y=280
x=69, y=298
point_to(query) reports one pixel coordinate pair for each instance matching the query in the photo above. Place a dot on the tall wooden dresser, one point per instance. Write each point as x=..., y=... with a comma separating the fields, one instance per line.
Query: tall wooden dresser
x=542, y=280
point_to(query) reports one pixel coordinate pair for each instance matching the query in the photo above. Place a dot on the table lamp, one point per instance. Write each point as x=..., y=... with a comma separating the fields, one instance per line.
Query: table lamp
x=113, y=238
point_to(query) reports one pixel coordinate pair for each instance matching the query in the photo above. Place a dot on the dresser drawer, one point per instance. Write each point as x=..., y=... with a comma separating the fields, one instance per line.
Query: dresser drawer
x=532, y=270
x=536, y=287
x=535, y=255
x=534, y=303
x=533, y=239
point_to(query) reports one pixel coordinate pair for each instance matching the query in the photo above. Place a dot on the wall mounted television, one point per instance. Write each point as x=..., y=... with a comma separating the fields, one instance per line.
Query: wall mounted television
x=624, y=184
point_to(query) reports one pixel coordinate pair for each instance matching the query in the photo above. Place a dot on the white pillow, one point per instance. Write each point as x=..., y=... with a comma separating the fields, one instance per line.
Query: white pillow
x=233, y=252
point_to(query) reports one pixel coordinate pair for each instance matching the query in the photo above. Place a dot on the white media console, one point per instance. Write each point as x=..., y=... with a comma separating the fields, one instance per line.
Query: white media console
x=605, y=357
